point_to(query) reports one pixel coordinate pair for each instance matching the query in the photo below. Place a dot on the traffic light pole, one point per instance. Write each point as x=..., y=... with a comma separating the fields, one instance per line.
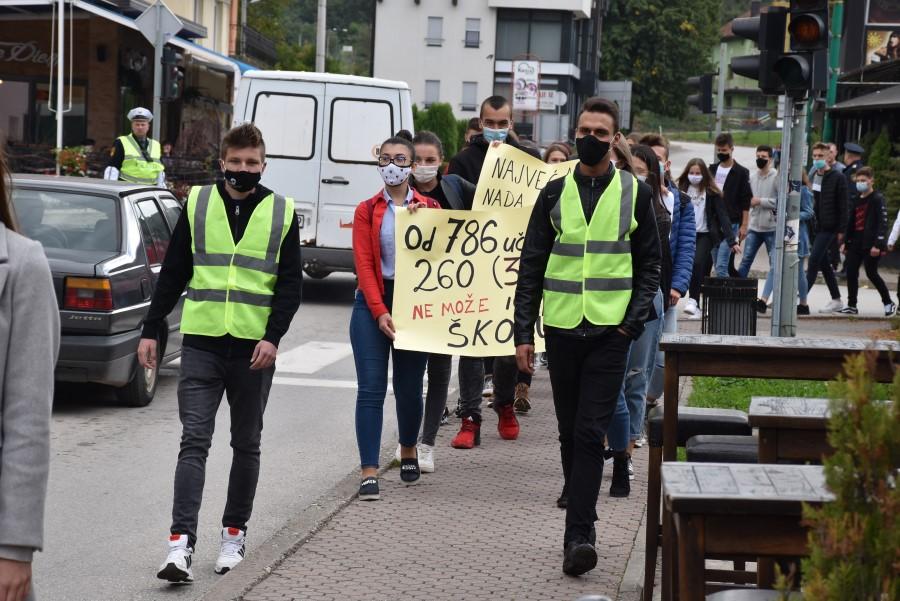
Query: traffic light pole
x=784, y=308
x=720, y=90
x=159, y=44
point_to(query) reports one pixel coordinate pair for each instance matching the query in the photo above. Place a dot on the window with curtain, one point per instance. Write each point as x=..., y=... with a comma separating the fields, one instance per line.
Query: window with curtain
x=435, y=36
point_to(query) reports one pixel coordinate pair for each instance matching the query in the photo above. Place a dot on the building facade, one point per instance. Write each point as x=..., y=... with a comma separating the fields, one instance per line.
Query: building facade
x=109, y=71
x=463, y=51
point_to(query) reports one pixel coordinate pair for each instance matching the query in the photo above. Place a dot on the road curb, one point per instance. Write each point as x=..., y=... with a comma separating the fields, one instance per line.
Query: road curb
x=264, y=559
x=632, y=586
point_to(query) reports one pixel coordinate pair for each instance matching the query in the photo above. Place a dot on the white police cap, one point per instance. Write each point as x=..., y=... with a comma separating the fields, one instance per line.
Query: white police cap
x=140, y=113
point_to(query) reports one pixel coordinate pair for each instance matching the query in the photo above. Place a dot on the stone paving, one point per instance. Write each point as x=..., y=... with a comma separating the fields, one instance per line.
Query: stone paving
x=484, y=526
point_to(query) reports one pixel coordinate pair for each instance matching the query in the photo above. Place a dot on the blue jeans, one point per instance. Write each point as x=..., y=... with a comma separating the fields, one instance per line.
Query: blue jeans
x=754, y=241
x=724, y=254
x=629, y=414
x=657, y=378
x=371, y=351
x=802, y=287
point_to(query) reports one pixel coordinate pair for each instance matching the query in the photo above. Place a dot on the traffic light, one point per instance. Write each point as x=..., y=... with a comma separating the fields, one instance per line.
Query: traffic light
x=806, y=68
x=172, y=75
x=703, y=98
x=767, y=30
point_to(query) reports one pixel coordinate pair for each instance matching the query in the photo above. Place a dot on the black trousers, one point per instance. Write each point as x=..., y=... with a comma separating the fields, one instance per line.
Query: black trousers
x=860, y=256
x=586, y=375
x=205, y=377
x=703, y=262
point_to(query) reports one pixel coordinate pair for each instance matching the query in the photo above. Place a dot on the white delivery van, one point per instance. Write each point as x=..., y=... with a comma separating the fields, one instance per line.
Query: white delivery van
x=322, y=134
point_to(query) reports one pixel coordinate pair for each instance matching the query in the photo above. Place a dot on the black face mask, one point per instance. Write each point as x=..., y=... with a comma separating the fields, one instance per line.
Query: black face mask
x=762, y=163
x=723, y=156
x=591, y=150
x=242, y=181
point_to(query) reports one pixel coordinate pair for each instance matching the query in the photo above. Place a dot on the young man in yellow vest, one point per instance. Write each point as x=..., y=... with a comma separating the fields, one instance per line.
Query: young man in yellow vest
x=236, y=248
x=592, y=254
x=137, y=158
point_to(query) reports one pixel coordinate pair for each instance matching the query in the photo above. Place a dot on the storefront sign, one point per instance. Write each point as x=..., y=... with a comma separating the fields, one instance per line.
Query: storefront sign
x=25, y=52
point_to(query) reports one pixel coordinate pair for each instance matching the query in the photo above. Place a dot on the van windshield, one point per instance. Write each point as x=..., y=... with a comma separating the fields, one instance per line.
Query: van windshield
x=67, y=220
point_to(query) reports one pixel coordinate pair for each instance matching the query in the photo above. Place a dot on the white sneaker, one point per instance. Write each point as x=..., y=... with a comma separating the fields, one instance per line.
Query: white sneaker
x=488, y=386
x=833, y=305
x=397, y=454
x=426, y=458
x=691, y=307
x=231, y=551
x=177, y=566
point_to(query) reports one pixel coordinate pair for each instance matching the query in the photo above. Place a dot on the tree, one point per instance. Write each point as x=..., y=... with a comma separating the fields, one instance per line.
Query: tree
x=853, y=540
x=658, y=44
x=880, y=152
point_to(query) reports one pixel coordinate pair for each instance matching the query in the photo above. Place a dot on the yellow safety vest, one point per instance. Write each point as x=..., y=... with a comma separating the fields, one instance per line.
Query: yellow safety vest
x=135, y=167
x=231, y=289
x=589, y=272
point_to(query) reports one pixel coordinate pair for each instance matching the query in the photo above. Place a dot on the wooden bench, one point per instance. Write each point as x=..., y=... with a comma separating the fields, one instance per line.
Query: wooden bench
x=729, y=509
x=791, y=429
x=746, y=357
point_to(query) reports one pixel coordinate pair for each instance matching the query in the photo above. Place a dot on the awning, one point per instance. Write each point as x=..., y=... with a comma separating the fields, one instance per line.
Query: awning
x=204, y=54
x=882, y=99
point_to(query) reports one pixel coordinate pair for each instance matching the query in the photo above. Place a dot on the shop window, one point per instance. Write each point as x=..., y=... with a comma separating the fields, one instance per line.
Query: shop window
x=535, y=32
x=14, y=104
x=356, y=127
x=272, y=111
x=74, y=122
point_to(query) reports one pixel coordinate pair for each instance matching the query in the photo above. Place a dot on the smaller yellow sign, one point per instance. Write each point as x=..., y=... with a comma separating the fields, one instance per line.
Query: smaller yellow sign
x=512, y=179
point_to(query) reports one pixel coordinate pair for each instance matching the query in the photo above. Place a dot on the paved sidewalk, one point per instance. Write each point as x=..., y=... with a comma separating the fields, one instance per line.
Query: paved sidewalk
x=484, y=526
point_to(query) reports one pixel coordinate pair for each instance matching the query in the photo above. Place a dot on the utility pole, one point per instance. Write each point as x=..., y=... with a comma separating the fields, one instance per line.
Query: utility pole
x=834, y=66
x=720, y=92
x=158, y=45
x=787, y=230
x=243, y=29
x=321, y=32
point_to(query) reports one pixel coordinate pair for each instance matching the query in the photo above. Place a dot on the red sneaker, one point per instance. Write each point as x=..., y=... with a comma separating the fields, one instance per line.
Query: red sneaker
x=469, y=435
x=508, y=425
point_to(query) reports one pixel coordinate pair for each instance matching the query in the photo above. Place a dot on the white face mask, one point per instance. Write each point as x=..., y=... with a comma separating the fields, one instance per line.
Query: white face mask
x=425, y=173
x=394, y=175
x=695, y=179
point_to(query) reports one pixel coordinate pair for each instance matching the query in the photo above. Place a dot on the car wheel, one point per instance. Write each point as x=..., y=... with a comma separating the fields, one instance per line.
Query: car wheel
x=140, y=391
x=316, y=273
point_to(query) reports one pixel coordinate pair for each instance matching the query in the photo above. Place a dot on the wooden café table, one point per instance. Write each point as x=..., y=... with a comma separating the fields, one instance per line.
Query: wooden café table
x=746, y=357
x=791, y=429
x=737, y=509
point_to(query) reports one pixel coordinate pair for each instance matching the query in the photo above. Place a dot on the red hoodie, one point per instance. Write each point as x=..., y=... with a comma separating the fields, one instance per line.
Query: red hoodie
x=367, y=247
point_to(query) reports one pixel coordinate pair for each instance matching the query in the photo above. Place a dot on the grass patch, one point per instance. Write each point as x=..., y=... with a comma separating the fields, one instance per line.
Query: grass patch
x=735, y=393
x=741, y=138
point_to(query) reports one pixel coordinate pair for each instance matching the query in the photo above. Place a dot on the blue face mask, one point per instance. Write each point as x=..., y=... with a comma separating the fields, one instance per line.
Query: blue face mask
x=862, y=186
x=819, y=164
x=495, y=135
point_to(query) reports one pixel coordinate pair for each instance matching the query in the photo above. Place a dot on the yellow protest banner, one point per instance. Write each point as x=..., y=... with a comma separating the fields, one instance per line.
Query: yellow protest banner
x=455, y=280
x=511, y=178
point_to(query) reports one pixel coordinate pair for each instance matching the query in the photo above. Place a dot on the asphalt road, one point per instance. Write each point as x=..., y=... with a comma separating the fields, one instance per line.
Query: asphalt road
x=110, y=494
x=681, y=152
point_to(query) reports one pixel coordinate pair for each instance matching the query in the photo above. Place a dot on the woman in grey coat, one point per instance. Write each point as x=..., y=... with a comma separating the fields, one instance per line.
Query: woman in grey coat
x=29, y=341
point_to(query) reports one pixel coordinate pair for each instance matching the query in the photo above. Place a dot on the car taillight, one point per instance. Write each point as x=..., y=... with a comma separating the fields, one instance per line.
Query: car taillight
x=88, y=294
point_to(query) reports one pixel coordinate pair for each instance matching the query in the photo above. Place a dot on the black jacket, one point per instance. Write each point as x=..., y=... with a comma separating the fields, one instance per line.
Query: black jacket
x=876, y=229
x=452, y=192
x=717, y=221
x=178, y=268
x=468, y=162
x=539, y=238
x=831, y=203
x=736, y=192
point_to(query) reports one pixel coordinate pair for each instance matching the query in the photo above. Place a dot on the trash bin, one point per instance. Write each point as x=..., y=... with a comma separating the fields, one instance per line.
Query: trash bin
x=729, y=306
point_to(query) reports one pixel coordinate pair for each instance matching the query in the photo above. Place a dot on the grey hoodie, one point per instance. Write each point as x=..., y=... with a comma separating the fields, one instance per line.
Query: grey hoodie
x=762, y=216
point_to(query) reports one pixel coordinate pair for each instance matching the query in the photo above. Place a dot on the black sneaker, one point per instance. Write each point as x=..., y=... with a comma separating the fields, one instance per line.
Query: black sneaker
x=409, y=470
x=848, y=310
x=368, y=489
x=761, y=306
x=445, y=418
x=802, y=309
x=621, y=486
x=580, y=557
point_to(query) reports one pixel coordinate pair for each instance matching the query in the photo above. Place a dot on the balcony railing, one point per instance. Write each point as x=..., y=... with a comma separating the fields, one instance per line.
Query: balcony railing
x=258, y=46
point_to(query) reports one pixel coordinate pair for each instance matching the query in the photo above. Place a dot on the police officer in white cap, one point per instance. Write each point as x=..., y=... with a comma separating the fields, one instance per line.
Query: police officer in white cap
x=136, y=157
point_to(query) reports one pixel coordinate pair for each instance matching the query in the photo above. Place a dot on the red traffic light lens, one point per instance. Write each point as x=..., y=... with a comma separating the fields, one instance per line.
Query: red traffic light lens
x=806, y=29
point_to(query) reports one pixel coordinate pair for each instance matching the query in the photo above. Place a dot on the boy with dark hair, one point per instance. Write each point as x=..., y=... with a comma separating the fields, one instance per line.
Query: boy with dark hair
x=830, y=193
x=733, y=180
x=236, y=248
x=866, y=239
x=764, y=184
